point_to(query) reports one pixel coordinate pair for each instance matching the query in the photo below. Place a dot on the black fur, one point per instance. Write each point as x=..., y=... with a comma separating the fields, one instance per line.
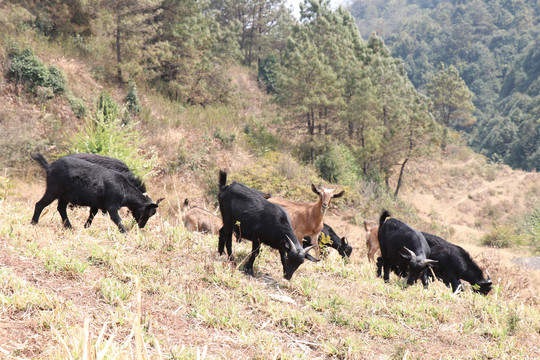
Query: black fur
x=111, y=164
x=79, y=182
x=340, y=244
x=247, y=213
x=394, y=237
x=455, y=264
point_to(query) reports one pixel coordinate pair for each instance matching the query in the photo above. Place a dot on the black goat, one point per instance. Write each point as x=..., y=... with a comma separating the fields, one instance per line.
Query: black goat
x=249, y=215
x=454, y=263
x=111, y=164
x=403, y=249
x=340, y=244
x=79, y=182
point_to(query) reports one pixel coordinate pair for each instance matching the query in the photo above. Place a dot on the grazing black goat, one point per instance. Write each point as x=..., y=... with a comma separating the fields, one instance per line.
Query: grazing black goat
x=340, y=244
x=249, y=215
x=454, y=263
x=112, y=164
x=79, y=182
x=403, y=250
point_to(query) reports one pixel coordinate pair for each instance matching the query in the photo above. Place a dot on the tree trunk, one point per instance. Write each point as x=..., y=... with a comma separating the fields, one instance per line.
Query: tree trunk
x=118, y=51
x=400, y=177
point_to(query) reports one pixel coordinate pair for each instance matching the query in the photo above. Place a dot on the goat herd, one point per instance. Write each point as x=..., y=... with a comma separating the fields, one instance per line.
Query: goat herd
x=106, y=184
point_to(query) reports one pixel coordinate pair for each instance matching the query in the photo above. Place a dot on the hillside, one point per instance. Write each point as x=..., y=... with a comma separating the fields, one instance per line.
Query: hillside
x=163, y=292
x=67, y=291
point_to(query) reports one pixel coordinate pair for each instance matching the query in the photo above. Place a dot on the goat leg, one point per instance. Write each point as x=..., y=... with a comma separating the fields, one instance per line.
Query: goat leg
x=62, y=206
x=113, y=213
x=45, y=201
x=93, y=212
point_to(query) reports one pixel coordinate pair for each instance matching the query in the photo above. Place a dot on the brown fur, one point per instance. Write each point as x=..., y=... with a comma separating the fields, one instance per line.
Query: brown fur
x=372, y=240
x=199, y=219
x=307, y=218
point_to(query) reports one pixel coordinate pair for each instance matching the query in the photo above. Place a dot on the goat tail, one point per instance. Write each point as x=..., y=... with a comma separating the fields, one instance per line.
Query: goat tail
x=222, y=179
x=384, y=216
x=41, y=160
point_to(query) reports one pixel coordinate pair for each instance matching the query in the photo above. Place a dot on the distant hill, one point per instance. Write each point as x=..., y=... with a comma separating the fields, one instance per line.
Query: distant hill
x=494, y=45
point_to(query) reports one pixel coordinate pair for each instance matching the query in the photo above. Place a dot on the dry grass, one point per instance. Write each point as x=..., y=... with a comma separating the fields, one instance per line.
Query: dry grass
x=196, y=305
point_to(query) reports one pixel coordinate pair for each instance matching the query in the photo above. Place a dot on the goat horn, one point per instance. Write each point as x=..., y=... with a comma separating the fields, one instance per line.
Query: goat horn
x=304, y=252
x=290, y=241
x=489, y=277
x=413, y=255
x=429, y=262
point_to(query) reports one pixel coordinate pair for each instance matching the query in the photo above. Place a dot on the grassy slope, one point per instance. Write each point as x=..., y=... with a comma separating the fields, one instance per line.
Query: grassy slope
x=199, y=306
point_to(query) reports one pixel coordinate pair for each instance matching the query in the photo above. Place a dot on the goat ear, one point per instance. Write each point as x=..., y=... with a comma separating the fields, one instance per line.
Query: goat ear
x=315, y=190
x=186, y=202
x=339, y=194
x=367, y=226
x=344, y=241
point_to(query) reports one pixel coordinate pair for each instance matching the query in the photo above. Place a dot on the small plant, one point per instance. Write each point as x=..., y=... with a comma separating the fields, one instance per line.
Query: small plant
x=114, y=291
x=56, y=80
x=226, y=139
x=132, y=98
x=57, y=263
x=77, y=106
x=107, y=108
x=532, y=225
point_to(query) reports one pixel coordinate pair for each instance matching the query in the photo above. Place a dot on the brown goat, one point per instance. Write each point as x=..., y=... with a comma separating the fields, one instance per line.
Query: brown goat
x=199, y=219
x=307, y=218
x=372, y=240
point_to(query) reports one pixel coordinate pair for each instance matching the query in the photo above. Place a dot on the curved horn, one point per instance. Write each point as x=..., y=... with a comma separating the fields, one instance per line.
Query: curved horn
x=304, y=252
x=411, y=253
x=428, y=262
x=291, y=243
x=344, y=239
x=487, y=273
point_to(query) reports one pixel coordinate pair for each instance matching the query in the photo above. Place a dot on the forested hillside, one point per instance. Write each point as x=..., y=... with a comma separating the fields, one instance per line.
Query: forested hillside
x=494, y=47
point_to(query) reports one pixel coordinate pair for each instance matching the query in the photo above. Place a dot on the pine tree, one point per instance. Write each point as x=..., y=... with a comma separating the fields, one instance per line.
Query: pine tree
x=452, y=100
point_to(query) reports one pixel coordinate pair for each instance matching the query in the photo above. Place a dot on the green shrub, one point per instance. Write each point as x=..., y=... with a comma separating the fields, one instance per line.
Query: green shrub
x=132, y=98
x=500, y=236
x=107, y=108
x=261, y=139
x=27, y=69
x=337, y=165
x=532, y=225
x=226, y=139
x=56, y=80
x=111, y=138
x=77, y=106
x=267, y=72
